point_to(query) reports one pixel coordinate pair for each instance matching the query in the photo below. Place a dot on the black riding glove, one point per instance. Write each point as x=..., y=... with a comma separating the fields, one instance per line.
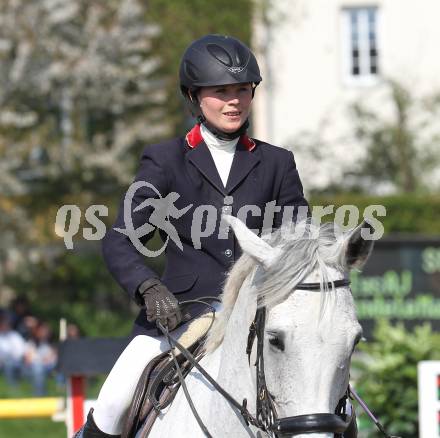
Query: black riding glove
x=160, y=303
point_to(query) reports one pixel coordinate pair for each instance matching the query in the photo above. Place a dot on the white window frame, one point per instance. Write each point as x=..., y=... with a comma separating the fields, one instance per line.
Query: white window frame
x=365, y=77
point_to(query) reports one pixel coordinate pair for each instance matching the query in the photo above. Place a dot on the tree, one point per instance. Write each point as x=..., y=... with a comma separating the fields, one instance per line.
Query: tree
x=396, y=152
x=77, y=103
x=401, y=151
x=76, y=92
x=84, y=86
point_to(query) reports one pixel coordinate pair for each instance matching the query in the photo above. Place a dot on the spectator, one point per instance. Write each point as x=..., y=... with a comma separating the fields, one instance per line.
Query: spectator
x=22, y=320
x=12, y=350
x=40, y=358
x=73, y=331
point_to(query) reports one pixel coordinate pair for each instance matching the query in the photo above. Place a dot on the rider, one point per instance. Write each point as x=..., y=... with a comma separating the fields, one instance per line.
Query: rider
x=216, y=168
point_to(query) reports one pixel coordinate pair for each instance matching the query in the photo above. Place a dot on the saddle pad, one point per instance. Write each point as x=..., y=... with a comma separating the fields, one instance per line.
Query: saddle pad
x=142, y=411
x=195, y=330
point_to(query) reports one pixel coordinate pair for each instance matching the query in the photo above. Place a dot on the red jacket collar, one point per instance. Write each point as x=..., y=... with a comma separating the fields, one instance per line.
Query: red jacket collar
x=194, y=138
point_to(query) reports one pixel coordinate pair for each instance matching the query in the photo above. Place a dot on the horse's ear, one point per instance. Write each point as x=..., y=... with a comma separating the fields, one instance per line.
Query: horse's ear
x=251, y=244
x=359, y=245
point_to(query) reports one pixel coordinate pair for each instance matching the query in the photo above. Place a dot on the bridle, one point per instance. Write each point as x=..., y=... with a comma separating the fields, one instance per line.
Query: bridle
x=266, y=418
x=266, y=413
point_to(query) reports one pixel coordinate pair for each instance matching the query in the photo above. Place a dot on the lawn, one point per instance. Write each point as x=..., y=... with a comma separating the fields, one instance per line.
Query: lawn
x=38, y=427
x=32, y=428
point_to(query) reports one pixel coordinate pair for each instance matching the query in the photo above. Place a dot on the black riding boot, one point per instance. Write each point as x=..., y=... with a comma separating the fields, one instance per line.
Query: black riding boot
x=90, y=429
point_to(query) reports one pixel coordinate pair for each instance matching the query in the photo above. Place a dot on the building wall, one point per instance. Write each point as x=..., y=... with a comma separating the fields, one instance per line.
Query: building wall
x=305, y=94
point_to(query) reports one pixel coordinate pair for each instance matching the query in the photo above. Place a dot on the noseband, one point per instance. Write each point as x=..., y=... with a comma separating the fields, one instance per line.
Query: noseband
x=266, y=418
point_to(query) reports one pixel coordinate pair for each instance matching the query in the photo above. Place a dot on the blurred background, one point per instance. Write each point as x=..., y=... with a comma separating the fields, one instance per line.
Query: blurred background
x=352, y=90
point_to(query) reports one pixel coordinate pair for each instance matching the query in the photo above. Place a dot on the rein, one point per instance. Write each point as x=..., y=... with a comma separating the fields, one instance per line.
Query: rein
x=173, y=343
x=266, y=418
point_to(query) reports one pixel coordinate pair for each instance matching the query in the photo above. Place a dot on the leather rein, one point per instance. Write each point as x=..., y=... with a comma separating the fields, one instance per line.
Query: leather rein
x=266, y=418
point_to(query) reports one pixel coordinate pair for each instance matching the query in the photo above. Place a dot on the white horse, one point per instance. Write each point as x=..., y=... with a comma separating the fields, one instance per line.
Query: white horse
x=309, y=336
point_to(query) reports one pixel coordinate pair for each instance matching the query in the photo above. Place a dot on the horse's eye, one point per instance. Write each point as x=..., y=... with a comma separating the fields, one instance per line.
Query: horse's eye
x=357, y=339
x=277, y=342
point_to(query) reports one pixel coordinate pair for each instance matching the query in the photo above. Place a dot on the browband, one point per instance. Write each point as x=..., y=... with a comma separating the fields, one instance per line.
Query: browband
x=317, y=286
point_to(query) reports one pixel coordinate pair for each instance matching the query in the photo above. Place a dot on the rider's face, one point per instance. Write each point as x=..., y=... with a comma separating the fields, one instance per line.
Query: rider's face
x=226, y=106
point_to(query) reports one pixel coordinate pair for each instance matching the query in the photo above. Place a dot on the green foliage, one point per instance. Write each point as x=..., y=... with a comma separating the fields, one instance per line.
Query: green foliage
x=96, y=83
x=404, y=213
x=387, y=378
x=403, y=150
x=390, y=146
x=78, y=287
x=396, y=134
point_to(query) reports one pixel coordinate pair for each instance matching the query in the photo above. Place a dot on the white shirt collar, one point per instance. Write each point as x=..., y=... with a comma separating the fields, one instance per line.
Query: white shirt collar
x=215, y=143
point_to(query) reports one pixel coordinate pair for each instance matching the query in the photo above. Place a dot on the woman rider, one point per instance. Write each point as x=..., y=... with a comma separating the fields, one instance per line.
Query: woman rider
x=216, y=168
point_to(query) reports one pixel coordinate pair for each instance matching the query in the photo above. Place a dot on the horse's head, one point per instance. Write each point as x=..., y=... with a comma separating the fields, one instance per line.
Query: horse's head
x=309, y=336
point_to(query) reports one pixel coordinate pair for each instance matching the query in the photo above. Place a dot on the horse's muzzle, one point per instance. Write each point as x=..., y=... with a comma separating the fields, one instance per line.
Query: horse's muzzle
x=311, y=423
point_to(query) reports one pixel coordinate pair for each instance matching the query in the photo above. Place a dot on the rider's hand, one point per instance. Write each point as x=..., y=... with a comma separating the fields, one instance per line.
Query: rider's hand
x=160, y=303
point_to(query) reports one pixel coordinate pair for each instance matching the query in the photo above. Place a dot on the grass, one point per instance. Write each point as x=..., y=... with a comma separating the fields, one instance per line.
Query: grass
x=38, y=427
x=32, y=428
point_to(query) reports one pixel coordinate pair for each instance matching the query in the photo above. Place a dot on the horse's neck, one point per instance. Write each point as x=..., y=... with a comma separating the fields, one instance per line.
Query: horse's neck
x=235, y=372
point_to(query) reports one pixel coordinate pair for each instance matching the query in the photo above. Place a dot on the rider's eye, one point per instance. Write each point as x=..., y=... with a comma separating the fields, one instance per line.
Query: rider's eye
x=277, y=342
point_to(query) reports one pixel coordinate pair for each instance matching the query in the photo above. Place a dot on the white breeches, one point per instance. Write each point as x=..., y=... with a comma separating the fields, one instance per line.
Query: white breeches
x=117, y=391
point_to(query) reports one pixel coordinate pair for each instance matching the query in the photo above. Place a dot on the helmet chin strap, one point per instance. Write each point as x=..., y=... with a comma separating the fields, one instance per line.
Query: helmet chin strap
x=222, y=135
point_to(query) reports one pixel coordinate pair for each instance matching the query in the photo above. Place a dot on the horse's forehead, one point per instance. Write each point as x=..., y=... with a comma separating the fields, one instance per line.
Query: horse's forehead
x=297, y=307
x=308, y=309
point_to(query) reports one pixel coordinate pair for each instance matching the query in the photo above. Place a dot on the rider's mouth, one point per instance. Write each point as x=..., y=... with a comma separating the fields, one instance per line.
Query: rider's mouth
x=232, y=113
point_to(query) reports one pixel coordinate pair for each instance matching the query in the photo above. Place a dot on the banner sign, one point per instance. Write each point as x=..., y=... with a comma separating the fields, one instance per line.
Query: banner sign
x=401, y=282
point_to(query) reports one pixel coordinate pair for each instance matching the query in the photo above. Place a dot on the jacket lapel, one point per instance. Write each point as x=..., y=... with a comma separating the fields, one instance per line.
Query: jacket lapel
x=244, y=161
x=246, y=157
x=203, y=161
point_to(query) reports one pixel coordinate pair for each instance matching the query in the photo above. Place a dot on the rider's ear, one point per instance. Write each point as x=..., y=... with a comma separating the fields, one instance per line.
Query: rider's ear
x=359, y=245
x=251, y=244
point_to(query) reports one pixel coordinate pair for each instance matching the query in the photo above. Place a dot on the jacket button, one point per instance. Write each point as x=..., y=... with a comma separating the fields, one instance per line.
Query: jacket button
x=227, y=209
x=228, y=253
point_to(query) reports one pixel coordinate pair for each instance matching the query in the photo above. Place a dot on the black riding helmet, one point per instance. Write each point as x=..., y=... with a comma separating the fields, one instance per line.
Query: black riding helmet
x=216, y=60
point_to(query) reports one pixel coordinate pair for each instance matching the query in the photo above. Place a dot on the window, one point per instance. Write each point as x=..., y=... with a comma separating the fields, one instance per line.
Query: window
x=360, y=45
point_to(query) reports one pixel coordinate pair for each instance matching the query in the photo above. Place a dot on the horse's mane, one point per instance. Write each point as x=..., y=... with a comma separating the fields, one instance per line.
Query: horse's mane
x=310, y=247
x=238, y=273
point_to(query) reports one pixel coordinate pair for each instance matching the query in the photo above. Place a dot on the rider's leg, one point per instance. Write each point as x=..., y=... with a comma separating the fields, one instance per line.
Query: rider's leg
x=117, y=391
